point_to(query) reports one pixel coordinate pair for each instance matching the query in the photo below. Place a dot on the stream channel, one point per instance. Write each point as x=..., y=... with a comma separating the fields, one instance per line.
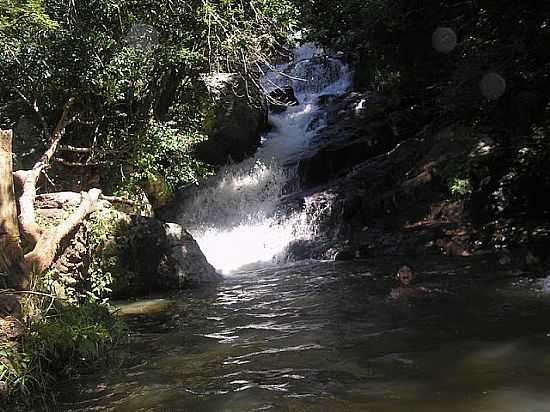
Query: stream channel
x=321, y=336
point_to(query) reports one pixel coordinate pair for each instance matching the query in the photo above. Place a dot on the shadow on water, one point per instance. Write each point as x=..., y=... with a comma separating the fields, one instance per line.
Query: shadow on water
x=315, y=336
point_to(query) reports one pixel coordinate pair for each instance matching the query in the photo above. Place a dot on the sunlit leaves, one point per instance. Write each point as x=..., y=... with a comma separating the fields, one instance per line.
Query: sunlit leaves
x=136, y=69
x=17, y=16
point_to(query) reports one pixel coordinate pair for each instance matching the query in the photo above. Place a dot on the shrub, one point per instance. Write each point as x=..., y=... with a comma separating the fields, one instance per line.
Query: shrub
x=460, y=187
x=60, y=342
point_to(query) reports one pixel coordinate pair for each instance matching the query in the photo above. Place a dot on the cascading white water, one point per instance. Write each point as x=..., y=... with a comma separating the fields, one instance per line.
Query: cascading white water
x=233, y=216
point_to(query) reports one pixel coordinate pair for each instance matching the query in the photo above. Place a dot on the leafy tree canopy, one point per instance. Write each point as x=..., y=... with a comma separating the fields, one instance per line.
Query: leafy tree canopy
x=134, y=69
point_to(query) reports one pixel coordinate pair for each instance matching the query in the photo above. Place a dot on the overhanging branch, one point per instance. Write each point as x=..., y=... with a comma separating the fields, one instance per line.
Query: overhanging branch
x=43, y=254
x=77, y=164
x=27, y=180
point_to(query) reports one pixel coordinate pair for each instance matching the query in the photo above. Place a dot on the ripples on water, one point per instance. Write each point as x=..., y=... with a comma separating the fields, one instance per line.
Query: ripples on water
x=324, y=337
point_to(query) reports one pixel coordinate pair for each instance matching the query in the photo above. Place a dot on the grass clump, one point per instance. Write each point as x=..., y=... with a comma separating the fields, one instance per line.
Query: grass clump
x=59, y=341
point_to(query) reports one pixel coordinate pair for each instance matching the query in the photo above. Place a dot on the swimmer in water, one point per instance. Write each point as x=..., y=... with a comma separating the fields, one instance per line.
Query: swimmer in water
x=406, y=277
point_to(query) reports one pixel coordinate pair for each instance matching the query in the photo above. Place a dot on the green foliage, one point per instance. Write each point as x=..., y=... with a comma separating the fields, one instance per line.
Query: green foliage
x=258, y=26
x=75, y=336
x=533, y=154
x=17, y=15
x=136, y=71
x=163, y=150
x=460, y=187
x=64, y=339
x=17, y=373
x=108, y=237
x=395, y=37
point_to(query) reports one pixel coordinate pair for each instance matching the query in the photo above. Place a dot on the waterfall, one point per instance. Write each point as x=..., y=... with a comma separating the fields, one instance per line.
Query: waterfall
x=233, y=216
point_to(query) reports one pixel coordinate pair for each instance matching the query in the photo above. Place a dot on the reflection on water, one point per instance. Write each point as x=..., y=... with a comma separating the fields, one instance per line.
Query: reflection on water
x=317, y=336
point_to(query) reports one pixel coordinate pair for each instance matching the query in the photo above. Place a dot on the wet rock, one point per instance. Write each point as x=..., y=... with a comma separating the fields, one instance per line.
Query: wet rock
x=131, y=255
x=283, y=97
x=345, y=254
x=325, y=99
x=185, y=264
x=161, y=256
x=355, y=131
x=397, y=202
x=307, y=249
x=236, y=116
x=332, y=159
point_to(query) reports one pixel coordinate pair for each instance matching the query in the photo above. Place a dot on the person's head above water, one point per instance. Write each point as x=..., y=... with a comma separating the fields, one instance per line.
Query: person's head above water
x=406, y=275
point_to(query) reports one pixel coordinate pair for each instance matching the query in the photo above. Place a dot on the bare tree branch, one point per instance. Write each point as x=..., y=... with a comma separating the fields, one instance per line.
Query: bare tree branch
x=27, y=180
x=77, y=164
x=118, y=199
x=43, y=254
x=68, y=148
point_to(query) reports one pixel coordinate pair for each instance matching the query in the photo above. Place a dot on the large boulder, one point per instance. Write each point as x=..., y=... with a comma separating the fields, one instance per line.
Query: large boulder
x=356, y=129
x=282, y=98
x=235, y=118
x=118, y=255
x=163, y=256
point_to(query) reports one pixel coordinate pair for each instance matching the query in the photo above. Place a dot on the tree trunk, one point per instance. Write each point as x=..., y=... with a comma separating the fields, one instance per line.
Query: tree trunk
x=19, y=267
x=27, y=180
x=43, y=255
x=44, y=243
x=11, y=254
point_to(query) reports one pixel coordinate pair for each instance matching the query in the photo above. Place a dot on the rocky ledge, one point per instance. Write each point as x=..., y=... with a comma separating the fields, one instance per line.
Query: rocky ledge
x=121, y=255
x=382, y=181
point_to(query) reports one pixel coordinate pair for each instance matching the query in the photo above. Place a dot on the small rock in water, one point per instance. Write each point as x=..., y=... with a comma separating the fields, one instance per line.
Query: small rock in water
x=505, y=260
x=345, y=254
x=531, y=260
x=144, y=307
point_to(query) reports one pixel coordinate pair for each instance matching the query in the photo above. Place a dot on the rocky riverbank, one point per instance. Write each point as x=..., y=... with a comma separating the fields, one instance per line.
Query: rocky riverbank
x=120, y=255
x=390, y=181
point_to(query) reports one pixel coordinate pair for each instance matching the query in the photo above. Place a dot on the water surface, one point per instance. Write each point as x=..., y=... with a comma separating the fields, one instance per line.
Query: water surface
x=324, y=336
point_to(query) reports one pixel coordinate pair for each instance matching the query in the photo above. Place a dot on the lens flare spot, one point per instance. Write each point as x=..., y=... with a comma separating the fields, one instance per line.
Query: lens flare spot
x=444, y=40
x=492, y=86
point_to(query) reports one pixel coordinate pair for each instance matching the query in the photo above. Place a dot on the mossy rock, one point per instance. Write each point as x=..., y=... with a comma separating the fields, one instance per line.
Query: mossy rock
x=116, y=255
x=235, y=116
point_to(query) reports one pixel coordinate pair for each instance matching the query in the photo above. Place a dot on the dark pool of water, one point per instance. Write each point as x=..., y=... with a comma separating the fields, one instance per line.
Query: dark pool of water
x=324, y=336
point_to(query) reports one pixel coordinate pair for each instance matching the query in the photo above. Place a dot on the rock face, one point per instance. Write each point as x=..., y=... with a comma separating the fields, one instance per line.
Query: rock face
x=156, y=256
x=283, y=98
x=394, y=203
x=378, y=181
x=119, y=255
x=351, y=136
x=175, y=257
x=236, y=116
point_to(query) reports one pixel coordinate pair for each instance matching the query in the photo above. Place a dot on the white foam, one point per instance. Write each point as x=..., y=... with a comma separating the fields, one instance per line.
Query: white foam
x=232, y=217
